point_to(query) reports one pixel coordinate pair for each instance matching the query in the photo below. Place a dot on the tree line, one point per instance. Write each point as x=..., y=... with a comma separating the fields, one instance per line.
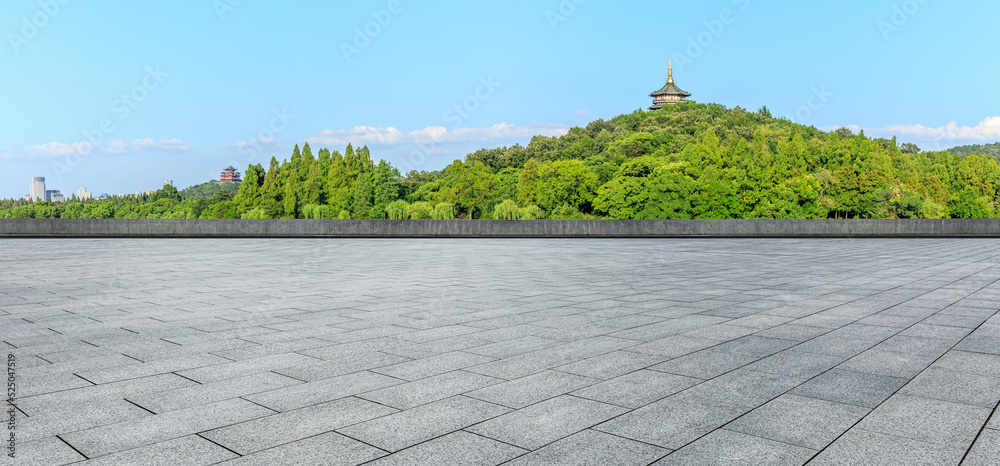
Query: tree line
x=684, y=161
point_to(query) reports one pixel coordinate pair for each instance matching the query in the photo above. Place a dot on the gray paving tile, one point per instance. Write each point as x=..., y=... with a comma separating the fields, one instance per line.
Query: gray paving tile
x=860, y=447
x=321, y=312
x=673, y=421
x=964, y=361
x=727, y=447
x=330, y=448
x=185, y=450
x=793, y=332
x=434, y=388
x=927, y=420
x=980, y=344
x=722, y=332
x=857, y=388
x=434, y=365
x=232, y=370
x=538, y=361
x=173, y=400
x=591, y=447
x=704, y=364
x=320, y=391
x=525, y=391
x=891, y=363
x=611, y=365
x=71, y=419
x=915, y=346
x=796, y=364
x=44, y=452
x=279, y=429
x=458, y=448
x=796, y=420
x=754, y=346
x=744, y=387
x=954, y=321
x=835, y=346
x=636, y=389
x=546, y=422
x=406, y=428
x=674, y=346
x=986, y=450
x=863, y=331
x=148, y=430
x=940, y=332
x=319, y=370
x=511, y=348
x=135, y=371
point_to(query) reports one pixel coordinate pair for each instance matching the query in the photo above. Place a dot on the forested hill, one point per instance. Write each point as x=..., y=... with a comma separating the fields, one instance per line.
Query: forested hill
x=685, y=161
x=993, y=150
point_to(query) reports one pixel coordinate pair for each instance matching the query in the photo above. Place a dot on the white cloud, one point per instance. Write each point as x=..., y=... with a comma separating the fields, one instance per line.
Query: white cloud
x=583, y=113
x=261, y=143
x=51, y=149
x=143, y=145
x=367, y=135
x=948, y=135
x=57, y=149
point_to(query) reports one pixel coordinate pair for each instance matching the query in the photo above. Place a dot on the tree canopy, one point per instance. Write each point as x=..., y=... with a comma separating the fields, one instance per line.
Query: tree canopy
x=684, y=161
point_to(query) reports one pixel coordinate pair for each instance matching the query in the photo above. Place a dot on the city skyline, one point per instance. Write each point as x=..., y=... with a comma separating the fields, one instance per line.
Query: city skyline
x=178, y=91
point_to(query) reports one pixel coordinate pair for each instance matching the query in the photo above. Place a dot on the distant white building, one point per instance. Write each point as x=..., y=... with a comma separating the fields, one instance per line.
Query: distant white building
x=84, y=195
x=168, y=183
x=37, y=189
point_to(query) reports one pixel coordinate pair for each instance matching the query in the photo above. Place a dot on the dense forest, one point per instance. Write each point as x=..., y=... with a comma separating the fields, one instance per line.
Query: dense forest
x=992, y=150
x=685, y=161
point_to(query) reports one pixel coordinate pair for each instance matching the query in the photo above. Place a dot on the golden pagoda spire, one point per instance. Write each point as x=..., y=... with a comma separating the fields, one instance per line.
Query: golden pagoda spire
x=670, y=70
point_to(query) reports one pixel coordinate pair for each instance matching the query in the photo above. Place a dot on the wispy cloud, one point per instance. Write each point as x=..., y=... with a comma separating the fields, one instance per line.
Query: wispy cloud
x=264, y=142
x=143, y=145
x=367, y=135
x=58, y=149
x=948, y=135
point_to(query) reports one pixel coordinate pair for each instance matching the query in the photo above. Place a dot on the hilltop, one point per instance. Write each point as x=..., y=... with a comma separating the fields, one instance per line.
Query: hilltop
x=688, y=160
x=992, y=150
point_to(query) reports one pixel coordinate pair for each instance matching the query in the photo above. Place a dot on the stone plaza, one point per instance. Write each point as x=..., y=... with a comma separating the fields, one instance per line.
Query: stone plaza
x=503, y=351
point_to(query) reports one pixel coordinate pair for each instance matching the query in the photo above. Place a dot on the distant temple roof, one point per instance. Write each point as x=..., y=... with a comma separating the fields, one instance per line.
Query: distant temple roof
x=670, y=88
x=230, y=175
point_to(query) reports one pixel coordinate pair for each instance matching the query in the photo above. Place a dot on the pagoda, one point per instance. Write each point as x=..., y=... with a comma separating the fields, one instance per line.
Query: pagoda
x=230, y=175
x=669, y=94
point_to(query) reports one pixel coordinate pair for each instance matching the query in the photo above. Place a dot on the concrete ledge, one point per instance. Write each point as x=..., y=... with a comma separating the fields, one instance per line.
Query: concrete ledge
x=102, y=228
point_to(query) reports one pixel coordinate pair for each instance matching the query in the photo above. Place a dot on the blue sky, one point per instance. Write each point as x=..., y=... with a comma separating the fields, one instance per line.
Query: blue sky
x=179, y=90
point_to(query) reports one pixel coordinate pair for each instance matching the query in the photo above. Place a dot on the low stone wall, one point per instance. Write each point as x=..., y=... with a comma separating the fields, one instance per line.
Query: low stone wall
x=100, y=228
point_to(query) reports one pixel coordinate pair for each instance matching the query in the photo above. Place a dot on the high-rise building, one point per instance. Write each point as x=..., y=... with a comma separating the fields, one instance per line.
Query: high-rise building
x=168, y=183
x=83, y=195
x=54, y=195
x=37, y=189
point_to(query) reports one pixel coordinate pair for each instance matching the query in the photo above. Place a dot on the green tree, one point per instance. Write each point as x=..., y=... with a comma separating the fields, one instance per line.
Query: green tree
x=507, y=210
